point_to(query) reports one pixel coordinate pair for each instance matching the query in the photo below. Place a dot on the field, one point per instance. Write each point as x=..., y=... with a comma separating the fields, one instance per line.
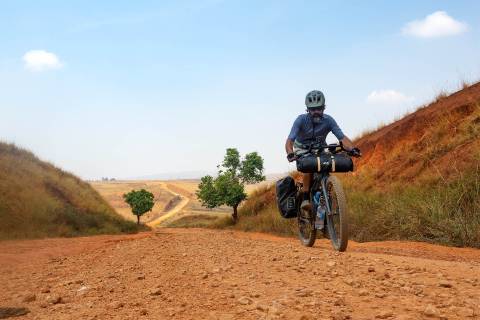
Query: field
x=175, y=201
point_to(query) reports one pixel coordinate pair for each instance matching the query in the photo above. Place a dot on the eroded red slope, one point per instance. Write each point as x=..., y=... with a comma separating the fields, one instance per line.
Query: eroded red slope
x=437, y=142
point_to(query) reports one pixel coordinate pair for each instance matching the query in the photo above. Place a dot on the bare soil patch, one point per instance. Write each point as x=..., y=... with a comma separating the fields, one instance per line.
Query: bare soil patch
x=211, y=274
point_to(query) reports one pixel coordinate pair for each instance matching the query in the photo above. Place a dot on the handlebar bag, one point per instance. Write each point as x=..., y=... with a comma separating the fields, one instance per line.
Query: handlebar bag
x=325, y=162
x=286, y=191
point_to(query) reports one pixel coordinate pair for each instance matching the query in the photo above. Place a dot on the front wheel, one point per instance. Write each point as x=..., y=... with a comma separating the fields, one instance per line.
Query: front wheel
x=337, y=217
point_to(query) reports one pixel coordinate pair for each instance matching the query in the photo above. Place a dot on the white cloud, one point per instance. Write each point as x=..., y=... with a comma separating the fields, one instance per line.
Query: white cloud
x=437, y=24
x=390, y=97
x=40, y=60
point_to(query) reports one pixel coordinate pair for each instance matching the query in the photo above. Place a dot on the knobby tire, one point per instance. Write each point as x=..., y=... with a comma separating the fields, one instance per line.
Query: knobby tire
x=337, y=221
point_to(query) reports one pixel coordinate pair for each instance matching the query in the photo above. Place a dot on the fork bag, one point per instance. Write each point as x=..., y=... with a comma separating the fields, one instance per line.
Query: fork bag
x=286, y=192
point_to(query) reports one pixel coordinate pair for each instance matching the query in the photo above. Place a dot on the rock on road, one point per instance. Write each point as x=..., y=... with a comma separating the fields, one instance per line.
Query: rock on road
x=209, y=274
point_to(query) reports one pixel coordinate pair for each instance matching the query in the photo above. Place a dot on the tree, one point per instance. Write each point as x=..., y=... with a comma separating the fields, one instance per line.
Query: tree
x=206, y=192
x=230, y=191
x=140, y=202
x=228, y=188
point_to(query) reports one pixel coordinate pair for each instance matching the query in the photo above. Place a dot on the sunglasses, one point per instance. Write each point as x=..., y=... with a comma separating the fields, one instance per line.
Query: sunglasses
x=316, y=109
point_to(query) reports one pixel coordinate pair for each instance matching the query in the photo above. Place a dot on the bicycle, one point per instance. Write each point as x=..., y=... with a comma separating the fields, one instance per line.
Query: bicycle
x=326, y=195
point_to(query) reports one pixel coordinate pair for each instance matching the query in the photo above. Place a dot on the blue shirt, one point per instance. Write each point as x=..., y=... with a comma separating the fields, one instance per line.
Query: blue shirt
x=304, y=131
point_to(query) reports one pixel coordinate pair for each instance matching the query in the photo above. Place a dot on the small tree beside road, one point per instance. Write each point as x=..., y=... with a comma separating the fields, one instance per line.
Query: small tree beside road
x=228, y=188
x=140, y=202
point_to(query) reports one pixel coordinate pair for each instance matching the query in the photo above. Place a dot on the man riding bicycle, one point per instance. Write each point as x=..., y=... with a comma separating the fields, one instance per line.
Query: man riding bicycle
x=309, y=133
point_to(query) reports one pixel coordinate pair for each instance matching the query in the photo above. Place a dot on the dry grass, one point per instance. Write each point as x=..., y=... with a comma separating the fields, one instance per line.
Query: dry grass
x=260, y=214
x=446, y=212
x=202, y=221
x=440, y=96
x=39, y=200
x=267, y=220
x=369, y=131
x=464, y=84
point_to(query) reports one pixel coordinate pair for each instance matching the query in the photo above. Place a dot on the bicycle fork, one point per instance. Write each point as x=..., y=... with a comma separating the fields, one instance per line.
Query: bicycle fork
x=328, y=211
x=325, y=196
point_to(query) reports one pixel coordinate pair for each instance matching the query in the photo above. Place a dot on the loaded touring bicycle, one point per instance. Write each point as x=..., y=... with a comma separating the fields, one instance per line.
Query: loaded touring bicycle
x=329, y=212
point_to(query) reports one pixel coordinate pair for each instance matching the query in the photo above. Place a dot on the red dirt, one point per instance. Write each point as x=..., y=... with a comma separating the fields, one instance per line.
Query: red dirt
x=16, y=253
x=209, y=274
x=396, y=152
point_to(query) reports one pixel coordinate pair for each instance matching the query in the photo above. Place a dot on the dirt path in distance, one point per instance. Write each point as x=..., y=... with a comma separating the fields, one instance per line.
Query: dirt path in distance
x=172, y=212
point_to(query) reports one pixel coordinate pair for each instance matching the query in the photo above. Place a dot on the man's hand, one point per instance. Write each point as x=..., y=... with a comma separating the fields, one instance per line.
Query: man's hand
x=355, y=152
x=291, y=157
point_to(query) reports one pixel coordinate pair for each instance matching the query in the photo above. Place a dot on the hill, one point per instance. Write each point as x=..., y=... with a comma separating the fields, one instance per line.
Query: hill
x=39, y=200
x=418, y=179
x=436, y=143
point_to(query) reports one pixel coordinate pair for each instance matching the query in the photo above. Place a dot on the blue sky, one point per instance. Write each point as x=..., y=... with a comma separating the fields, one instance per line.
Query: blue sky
x=122, y=88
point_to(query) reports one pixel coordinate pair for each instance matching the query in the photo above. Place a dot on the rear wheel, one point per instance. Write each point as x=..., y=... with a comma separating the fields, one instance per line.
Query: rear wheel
x=306, y=226
x=337, y=218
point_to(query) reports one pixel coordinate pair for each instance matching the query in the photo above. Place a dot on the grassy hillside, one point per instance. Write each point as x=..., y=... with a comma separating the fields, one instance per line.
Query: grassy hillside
x=420, y=176
x=418, y=179
x=40, y=200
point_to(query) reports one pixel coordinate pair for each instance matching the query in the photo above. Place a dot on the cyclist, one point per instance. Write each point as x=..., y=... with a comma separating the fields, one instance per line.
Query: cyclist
x=308, y=134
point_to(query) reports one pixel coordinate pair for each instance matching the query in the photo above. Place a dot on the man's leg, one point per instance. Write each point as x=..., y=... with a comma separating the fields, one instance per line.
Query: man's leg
x=307, y=178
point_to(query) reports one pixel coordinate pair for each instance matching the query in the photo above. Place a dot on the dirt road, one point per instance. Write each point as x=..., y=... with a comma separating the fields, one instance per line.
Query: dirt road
x=207, y=274
x=178, y=208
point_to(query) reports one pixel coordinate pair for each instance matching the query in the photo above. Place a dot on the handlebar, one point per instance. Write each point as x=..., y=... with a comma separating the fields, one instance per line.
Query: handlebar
x=338, y=147
x=333, y=148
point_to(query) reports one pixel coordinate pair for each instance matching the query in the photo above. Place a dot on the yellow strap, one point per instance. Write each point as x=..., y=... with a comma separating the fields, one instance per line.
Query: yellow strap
x=333, y=164
x=319, y=166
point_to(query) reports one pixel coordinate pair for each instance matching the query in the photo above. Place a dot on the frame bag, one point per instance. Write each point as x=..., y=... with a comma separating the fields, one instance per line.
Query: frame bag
x=286, y=192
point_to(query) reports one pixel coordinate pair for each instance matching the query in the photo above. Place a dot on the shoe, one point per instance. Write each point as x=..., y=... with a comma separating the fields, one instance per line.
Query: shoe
x=306, y=205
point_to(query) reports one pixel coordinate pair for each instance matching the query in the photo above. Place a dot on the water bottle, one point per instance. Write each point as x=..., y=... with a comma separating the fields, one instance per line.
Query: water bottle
x=316, y=198
x=320, y=221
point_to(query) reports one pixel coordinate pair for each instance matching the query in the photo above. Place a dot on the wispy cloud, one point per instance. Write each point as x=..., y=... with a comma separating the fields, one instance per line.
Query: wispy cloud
x=41, y=60
x=437, y=24
x=390, y=97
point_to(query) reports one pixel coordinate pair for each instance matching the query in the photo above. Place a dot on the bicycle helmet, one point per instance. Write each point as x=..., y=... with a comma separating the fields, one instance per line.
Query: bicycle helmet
x=315, y=99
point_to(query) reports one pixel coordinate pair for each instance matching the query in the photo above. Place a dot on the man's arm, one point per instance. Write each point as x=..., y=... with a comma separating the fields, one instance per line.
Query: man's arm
x=347, y=143
x=293, y=135
x=289, y=146
x=289, y=149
